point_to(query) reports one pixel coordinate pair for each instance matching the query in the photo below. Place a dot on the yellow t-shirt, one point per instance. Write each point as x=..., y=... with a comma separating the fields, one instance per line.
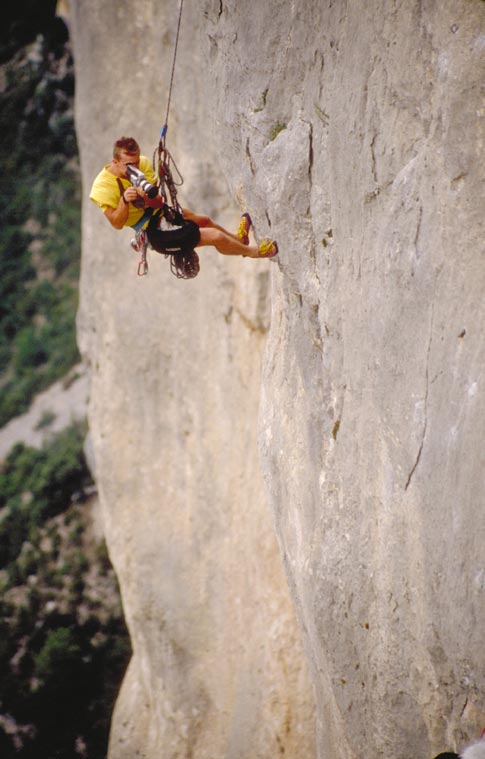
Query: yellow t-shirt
x=105, y=191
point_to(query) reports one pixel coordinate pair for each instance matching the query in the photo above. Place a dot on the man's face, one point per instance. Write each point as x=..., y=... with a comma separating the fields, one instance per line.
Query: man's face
x=126, y=158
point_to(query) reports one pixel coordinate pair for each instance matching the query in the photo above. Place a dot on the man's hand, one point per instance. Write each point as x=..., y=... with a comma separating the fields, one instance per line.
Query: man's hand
x=131, y=193
x=117, y=216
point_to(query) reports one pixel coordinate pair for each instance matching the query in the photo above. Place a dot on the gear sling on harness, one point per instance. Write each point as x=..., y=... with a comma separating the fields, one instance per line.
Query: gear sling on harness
x=179, y=242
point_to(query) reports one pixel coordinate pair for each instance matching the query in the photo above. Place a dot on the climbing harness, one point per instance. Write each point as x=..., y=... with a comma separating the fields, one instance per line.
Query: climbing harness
x=179, y=242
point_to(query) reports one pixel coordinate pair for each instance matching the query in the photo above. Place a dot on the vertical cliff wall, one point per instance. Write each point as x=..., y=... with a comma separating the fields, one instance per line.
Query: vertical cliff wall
x=354, y=134
x=218, y=667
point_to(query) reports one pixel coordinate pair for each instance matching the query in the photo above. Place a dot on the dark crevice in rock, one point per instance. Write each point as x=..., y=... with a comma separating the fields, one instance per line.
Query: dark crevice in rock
x=425, y=423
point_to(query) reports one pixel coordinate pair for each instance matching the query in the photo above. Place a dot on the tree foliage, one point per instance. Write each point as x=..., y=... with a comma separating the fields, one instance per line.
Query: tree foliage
x=63, y=650
x=40, y=201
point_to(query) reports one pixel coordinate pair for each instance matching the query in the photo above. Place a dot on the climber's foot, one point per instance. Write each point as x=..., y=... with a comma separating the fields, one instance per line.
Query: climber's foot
x=268, y=248
x=243, y=230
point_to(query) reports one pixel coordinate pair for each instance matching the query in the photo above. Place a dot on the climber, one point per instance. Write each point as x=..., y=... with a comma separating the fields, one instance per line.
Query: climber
x=127, y=204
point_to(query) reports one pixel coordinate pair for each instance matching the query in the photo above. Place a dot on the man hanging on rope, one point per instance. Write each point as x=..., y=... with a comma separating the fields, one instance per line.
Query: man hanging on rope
x=125, y=204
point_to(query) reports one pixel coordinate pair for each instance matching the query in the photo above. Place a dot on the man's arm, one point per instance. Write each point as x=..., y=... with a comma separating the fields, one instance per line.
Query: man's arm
x=118, y=216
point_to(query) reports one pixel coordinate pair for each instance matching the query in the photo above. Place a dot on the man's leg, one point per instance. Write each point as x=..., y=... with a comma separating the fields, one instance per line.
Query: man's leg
x=204, y=222
x=229, y=245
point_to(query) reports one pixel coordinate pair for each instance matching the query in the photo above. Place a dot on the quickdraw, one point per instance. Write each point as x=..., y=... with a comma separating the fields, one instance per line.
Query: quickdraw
x=140, y=244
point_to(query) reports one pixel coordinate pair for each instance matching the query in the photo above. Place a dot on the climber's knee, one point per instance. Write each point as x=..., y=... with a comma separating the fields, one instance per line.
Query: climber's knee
x=211, y=236
x=199, y=219
x=205, y=221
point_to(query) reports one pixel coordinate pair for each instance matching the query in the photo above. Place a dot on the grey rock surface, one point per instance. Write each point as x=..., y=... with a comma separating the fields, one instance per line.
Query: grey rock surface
x=353, y=133
x=218, y=666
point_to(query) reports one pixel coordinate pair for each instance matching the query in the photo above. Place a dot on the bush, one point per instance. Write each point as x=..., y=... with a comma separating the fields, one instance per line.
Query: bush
x=50, y=476
x=65, y=678
x=58, y=658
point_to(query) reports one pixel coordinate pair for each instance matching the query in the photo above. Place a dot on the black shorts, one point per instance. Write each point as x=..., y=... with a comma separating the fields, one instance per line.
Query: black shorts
x=181, y=239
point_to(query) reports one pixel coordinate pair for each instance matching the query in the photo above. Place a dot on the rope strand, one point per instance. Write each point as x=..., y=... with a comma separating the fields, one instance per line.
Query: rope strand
x=164, y=130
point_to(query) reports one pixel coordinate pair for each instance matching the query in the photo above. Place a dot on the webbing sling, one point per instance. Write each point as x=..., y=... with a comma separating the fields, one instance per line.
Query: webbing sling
x=142, y=222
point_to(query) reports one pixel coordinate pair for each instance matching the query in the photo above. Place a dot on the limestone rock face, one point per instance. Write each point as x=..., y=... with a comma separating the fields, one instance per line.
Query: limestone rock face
x=353, y=133
x=218, y=666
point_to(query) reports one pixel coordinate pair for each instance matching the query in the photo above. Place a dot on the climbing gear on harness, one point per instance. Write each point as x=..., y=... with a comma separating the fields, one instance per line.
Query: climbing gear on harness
x=140, y=244
x=178, y=243
x=143, y=220
x=268, y=248
x=243, y=230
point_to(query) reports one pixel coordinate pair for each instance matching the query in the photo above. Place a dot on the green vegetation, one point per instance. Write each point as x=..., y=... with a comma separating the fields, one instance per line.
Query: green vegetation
x=328, y=238
x=48, y=417
x=264, y=96
x=63, y=643
x=335, y=429
x=39, y=214
x=23, y=20
x=64, y=646
x=34, y=484
x=322, y=115
x=276, y=130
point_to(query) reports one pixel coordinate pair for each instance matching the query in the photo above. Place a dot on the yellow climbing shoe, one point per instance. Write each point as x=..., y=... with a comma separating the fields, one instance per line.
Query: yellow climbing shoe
x=268, y=248
x=243, y=230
